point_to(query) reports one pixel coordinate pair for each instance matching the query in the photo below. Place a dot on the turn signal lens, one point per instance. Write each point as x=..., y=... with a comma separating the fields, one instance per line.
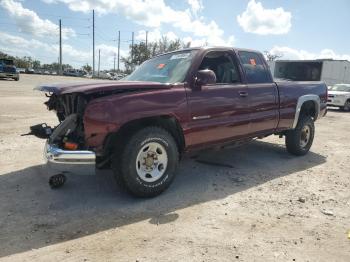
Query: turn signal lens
x=70, y=146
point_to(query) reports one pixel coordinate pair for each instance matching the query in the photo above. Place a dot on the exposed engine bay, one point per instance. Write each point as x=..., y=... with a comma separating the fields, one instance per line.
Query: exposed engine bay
x=69, y=133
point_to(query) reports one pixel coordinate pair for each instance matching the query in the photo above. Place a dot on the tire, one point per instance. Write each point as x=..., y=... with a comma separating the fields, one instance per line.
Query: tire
x=299, y=140
x=146, y=164
x=16, y=79
x=346, y=106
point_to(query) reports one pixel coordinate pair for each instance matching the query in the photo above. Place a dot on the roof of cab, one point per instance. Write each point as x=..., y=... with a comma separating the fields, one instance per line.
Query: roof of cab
x=212, y=48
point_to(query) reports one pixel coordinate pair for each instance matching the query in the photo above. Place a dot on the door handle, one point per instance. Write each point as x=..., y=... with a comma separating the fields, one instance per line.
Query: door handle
x=243, y=93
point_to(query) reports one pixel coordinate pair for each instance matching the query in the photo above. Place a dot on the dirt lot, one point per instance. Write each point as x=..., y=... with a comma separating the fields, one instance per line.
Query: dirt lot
x=262, y=204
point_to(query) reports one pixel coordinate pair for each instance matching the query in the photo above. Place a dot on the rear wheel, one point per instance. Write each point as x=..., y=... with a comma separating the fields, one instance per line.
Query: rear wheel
x=299, y=140
x=147, y=162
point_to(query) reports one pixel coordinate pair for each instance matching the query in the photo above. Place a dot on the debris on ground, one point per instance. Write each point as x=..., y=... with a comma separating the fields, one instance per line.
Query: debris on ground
x=301, y=199
x=327, y=212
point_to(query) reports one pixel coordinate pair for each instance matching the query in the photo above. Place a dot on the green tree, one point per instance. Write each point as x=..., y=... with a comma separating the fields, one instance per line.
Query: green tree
x=272, y=57
x=36, y=64
x=87, y=68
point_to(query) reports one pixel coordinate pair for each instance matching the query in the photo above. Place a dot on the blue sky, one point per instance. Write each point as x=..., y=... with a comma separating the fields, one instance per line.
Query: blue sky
x=295, y=29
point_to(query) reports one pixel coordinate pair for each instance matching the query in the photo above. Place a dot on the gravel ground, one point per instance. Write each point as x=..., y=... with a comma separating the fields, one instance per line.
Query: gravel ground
x=258, y=204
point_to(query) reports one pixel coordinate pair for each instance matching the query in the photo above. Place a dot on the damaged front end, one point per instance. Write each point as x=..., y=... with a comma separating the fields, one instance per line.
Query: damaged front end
x=65, y=149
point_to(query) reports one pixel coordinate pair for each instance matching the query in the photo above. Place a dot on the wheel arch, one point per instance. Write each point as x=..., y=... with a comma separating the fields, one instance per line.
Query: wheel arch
x=307, y=105
x=168, y=122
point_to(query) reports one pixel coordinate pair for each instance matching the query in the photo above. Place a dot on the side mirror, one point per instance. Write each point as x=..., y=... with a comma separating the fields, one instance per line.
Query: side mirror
x=205, y=77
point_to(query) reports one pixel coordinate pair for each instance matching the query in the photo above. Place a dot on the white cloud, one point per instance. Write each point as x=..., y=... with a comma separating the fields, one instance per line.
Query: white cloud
x=258, y=20
x=196, y=6
x=29, y=22
x=48, y=53
x=107, y=56
x=14, y=46
x=291, y=53
x=153, y=14
x=155, y=35
x=199, y=42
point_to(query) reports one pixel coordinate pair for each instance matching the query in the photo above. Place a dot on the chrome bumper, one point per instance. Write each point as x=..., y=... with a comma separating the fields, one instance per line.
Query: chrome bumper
x=8, y=75
x=81, y=162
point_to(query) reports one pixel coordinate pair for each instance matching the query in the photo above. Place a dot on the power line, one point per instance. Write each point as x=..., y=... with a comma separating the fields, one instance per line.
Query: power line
x=64, y=16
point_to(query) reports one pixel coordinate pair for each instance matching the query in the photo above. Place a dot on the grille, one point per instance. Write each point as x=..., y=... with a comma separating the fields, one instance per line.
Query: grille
x=9, y=69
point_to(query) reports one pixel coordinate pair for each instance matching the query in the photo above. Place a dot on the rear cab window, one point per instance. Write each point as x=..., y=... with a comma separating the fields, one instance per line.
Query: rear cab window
x=254, y=67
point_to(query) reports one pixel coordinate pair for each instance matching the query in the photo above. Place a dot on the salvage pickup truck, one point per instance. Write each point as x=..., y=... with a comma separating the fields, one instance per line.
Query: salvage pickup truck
x=174, y=103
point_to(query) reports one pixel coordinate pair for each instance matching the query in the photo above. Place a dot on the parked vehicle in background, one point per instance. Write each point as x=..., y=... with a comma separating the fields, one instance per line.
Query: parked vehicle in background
x=74, y=72
x=88, y=75
x=339, y=96
x=113, y=76
x=21, y=70
x=176, y=102
x=29, y=71
x=103, y=75
x=327, y=70
x=8, y=69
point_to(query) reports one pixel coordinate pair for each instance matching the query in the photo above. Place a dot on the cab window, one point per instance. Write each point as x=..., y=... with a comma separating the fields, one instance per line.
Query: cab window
x=223, y=66
x=254, y=68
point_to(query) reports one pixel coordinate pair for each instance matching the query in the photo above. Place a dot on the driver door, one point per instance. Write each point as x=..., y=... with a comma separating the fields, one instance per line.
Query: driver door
x=218, y=112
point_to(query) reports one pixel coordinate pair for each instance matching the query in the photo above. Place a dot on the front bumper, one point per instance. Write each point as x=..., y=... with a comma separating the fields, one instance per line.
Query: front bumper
x=335, y=102
x=8, y=75
x=80, y=162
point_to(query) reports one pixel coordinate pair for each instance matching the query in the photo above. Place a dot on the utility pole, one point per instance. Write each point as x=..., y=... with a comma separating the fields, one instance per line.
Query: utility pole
x=118, y=49
x=132, y=46
x=114, y=64
x=146, y=39
x=146, y=44
x=99, y=55
x=93, y=42
x=60, y=58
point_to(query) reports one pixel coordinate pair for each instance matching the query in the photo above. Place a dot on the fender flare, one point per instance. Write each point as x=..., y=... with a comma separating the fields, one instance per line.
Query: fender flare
x=301, y=100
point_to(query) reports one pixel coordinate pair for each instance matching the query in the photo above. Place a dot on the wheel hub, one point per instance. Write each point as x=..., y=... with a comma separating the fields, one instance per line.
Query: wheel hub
x=305, y=136
x=151, y=162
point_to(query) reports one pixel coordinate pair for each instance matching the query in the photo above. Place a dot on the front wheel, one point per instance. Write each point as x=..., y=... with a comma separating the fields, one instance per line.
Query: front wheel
x=299, y=140
x=346, y=106
x=147, y=162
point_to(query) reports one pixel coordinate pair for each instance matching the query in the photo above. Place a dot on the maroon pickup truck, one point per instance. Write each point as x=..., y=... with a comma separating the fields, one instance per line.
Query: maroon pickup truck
x=176, y=102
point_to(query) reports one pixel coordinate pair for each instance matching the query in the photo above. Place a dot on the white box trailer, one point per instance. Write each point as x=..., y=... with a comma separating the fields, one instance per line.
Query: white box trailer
x=327, y=70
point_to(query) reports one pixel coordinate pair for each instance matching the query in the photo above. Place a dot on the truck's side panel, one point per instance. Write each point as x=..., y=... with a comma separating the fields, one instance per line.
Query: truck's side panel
x=218, y=113
x=264, y=106
x=107, y=114
x=290, y=92
x=263, y=94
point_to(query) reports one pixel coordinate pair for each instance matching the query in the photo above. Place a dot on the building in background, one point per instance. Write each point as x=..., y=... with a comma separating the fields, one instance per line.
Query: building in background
x=327, y=70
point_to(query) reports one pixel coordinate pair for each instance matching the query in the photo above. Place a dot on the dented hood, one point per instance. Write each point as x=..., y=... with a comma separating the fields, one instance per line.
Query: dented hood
x=90, y=87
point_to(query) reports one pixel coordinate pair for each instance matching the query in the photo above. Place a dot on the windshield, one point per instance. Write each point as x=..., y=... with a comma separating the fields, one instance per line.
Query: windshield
x=170, y=68
x=343, y=88
x=7, y=62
